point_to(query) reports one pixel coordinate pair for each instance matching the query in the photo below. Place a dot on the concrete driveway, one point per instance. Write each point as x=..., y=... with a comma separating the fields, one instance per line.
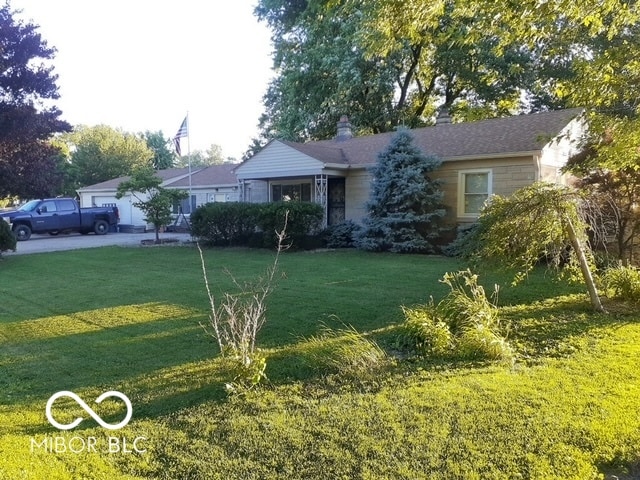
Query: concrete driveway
x=73, y=241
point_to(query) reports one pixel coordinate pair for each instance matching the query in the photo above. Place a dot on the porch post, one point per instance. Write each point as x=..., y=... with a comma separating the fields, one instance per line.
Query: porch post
x=241, y=191
x=321, y=196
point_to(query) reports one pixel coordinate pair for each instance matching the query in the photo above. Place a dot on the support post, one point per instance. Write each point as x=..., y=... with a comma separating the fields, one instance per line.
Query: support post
x=321, y=196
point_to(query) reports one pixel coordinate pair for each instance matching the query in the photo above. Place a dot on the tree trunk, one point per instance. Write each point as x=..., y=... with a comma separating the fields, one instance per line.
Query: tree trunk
x=584, y=267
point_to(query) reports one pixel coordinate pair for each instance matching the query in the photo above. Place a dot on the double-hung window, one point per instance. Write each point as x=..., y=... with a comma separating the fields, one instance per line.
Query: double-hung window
x=474, y=189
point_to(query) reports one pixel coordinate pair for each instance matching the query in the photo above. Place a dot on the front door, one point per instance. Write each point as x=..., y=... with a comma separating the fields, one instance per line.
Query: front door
x=335, y=201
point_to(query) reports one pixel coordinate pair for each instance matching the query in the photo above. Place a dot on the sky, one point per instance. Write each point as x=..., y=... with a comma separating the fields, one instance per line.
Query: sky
x=143, y=65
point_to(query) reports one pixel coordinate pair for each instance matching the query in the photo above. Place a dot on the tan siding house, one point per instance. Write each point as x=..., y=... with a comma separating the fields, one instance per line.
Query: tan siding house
x=480, y=159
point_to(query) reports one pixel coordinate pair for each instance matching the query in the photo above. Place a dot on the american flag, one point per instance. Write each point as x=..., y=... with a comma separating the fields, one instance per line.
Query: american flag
x=183, y=131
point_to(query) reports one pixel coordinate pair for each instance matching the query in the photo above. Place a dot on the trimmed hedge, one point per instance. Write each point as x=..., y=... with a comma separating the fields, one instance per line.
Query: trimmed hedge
x=256, y=224
x=225, y=224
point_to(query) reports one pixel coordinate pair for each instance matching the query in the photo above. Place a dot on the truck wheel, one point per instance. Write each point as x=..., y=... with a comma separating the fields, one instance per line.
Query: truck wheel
x=22, y=232
x=101, y=227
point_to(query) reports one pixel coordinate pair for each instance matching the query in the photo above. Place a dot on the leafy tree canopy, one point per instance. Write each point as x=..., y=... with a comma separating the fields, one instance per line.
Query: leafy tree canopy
x=393, y=62
x=163, y=156
x=28, y=119
x=153, y=199
x=212, y=156
x=101, y=153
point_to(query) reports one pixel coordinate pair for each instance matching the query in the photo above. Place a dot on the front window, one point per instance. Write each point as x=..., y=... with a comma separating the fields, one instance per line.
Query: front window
x=291, y=191
x=474, y=189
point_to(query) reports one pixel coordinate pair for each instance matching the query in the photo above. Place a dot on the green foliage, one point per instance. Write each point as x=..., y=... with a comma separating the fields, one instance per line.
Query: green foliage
x=233, y=223
x=539, y=221
x=154, y=200
x=163, y=156
x=7, y=238
x=405, y=204
x=423, y=332
x=29, y=164
x=341, y=235
x=102, y=153
x=560, y=413
x=225, y=223
x=304, y=218
x=246, y=373
x=345, y=352
x=464, y=324
x=622, y=282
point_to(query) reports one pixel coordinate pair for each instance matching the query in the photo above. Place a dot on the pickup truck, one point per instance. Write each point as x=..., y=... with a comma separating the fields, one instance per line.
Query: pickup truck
x=56, y=215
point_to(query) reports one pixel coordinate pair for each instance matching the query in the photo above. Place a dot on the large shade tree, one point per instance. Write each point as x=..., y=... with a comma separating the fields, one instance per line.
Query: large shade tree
x=102, y=153
x=29, y=164
x=384, y=65
x=392, y=62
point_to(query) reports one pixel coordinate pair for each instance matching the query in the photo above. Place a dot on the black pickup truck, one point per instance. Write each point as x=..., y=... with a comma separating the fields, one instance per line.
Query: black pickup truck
x=56, y=215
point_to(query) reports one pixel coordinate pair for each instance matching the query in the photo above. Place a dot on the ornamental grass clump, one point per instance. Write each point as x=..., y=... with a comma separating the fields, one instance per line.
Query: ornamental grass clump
x=464, y=324
x=622, y=282
x=345, y=352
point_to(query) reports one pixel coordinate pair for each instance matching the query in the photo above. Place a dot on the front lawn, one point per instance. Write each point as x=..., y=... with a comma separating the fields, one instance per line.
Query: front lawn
x=128, y=319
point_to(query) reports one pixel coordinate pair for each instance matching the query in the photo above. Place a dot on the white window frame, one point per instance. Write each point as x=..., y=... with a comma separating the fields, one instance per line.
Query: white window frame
x=461, y=189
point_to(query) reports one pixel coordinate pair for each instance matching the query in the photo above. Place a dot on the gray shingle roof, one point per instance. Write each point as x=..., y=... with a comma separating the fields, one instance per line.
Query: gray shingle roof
x=210, y=176
x=165, y=175
x=497, y=136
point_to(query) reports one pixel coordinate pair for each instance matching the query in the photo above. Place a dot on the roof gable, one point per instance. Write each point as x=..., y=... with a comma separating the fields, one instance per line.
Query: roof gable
x=280, y=157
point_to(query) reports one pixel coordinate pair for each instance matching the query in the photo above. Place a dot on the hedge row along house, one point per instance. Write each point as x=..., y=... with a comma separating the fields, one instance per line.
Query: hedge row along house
x=480, y=158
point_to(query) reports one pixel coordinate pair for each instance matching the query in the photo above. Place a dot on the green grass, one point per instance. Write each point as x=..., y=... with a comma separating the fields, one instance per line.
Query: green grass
x=128, y=319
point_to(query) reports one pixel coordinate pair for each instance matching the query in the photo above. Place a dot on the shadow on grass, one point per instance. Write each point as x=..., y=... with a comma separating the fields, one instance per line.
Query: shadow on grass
x=549, y=327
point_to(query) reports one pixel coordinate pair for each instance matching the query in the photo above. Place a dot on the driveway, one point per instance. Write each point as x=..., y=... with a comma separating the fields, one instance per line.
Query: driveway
x=73, y=241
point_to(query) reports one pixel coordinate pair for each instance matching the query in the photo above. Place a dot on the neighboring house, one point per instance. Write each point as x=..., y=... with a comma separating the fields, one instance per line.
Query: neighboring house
x=481, y=158
x=216, y=183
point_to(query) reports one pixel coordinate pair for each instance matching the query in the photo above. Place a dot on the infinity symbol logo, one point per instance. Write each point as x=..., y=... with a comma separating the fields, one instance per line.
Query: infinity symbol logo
x=94, y=415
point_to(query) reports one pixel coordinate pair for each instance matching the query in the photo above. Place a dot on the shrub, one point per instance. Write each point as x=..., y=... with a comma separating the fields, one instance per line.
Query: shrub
x=236, y=318
x=425, y=333
x=341, y=235
x=7, y=238
x=467, y=305
x=344, y=351
x=622, y=282
x=465, y=323
x=231, y=223
x=303, y=219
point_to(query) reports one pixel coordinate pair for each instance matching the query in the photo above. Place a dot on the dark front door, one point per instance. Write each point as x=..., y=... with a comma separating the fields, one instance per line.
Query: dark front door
x=335, y=201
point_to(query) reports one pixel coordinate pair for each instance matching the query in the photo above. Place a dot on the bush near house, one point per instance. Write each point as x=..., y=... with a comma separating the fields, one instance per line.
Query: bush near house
x=256, y=224
x=222, y=224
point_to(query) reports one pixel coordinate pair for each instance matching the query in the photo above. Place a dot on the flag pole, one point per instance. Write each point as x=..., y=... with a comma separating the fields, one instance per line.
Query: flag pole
x=189, y=160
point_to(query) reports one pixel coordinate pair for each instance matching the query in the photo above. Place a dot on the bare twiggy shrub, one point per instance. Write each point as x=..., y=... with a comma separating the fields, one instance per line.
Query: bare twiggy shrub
x=236, y=318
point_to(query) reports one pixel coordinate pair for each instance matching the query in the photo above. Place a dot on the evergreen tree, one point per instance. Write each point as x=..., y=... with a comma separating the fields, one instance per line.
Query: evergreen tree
x=405, y=205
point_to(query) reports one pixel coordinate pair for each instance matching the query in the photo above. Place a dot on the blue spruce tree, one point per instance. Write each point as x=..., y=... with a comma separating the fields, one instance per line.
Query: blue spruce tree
x=405, y=204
